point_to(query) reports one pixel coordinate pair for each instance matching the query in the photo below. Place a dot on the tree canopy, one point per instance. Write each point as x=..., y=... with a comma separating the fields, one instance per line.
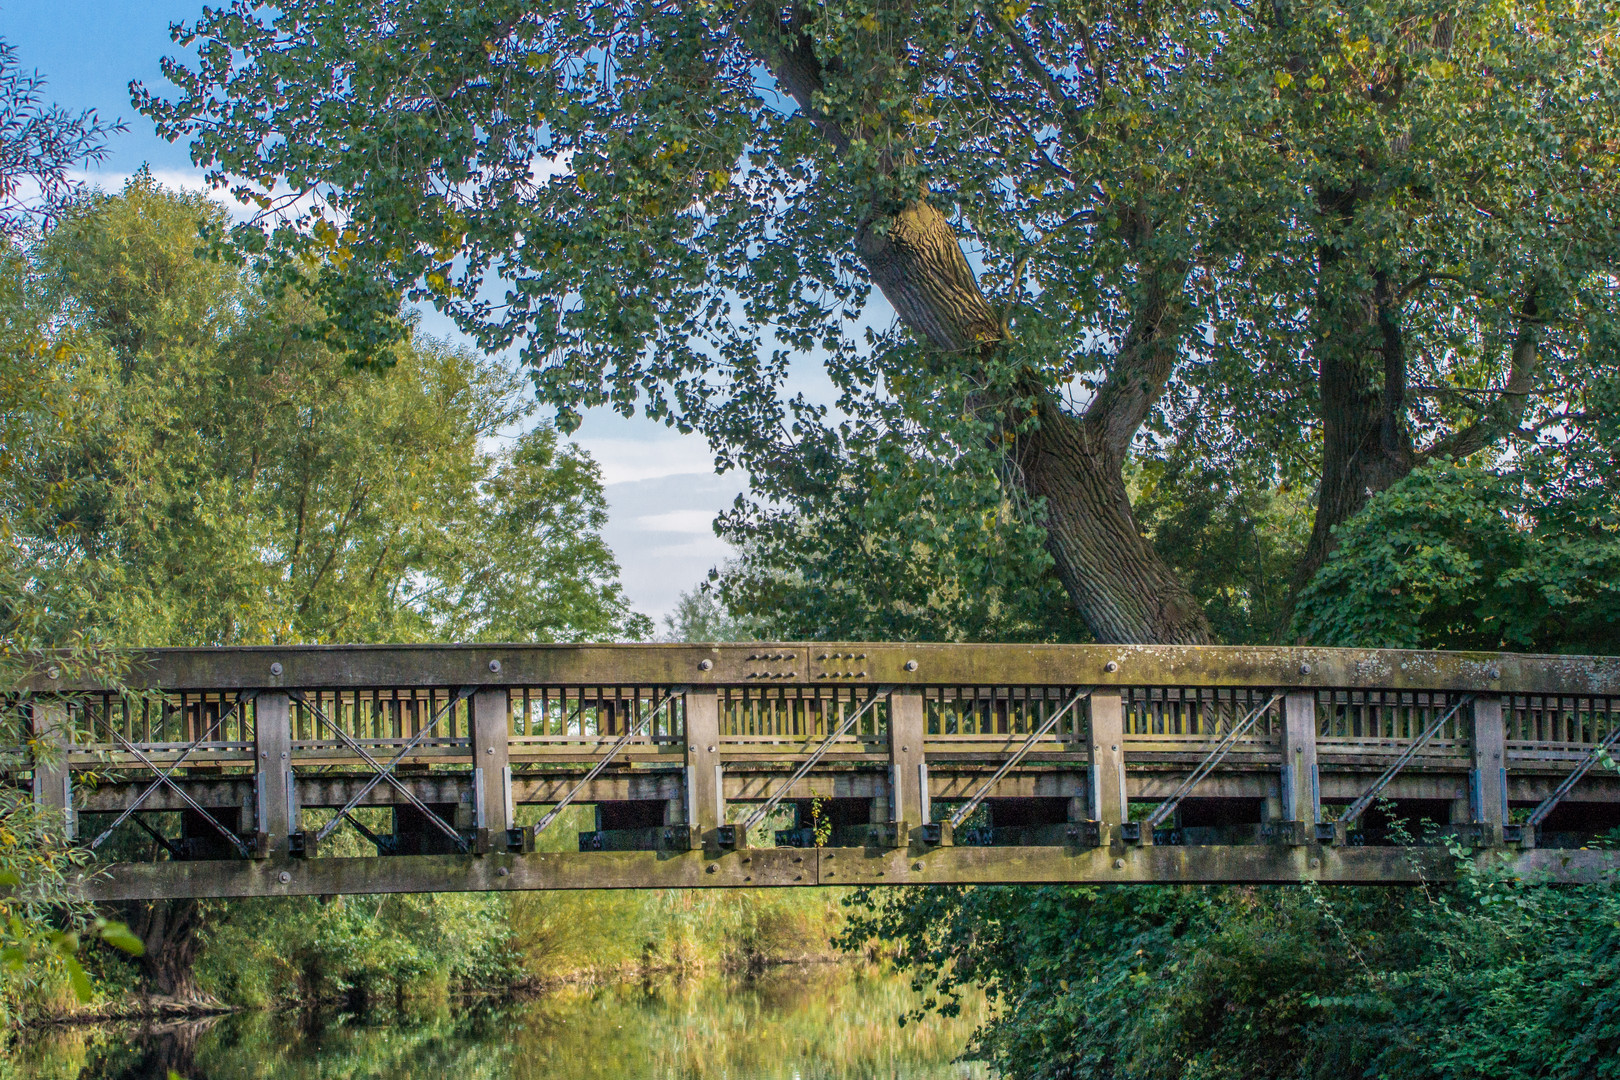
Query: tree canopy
x=1319, y=243
x=224, y=477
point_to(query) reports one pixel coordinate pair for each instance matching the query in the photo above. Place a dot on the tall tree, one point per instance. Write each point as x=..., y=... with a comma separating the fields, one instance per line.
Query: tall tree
x=1381, y=228
x=210, y=472
x=235, y=480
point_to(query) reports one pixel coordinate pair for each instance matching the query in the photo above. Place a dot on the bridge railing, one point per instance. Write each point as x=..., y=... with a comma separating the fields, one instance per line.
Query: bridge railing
x=1175, y=723
x=897, y=724
x=563, y=723
x=114, y=731
x=1557, y=728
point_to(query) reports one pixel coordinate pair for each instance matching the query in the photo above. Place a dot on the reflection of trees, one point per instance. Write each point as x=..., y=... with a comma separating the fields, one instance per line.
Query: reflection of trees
x=825, y=1022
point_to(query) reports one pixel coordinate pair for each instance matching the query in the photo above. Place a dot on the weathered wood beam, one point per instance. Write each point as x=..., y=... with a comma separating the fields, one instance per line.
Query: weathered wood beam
x=946, y=782
x=788, y=867
x=800, y=663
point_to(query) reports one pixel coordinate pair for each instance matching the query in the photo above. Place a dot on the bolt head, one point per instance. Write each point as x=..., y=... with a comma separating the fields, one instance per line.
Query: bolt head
x=494, y=667
x=1496, y=673
x=502, y=872
x=54, y=673
x=911, y=665
x=284, y=877
x=275, y=669
x=1304, y=669
x=1119, y=864
x=705, y=665
x=1112, y=665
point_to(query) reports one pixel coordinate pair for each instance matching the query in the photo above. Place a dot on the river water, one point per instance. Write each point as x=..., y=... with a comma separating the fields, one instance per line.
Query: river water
x=823, y=1022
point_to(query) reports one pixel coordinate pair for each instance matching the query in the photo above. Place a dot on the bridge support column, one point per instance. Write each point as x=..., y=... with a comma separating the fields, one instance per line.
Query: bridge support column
x=53, y=780
x=1109, y=807
x=492, y=770
x=273, y=812
x=1487, y=787
x=908, y=766
x=1301, y=789
x=705, y=793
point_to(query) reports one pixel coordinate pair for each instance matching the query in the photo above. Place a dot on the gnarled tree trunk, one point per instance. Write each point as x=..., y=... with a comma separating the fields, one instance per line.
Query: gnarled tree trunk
x=1121, y=587
x=168, y=929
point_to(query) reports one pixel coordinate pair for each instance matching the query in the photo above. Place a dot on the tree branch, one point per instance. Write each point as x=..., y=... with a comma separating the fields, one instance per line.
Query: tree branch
x=1503, y=416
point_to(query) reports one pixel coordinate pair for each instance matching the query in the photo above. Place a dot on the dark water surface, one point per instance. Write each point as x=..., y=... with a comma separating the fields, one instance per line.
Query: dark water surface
x=813, y=1023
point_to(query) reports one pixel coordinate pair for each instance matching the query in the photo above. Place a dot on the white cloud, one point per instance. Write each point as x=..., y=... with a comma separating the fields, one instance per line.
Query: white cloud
x=698, y=522
x=180, y=179
x=662, y=455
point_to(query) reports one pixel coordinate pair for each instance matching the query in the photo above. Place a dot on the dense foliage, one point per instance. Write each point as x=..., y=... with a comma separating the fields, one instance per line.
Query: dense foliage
x=227, y=479
x=1492, y=978
x=1315, y=242
x=1523, y=558
x=42, y=922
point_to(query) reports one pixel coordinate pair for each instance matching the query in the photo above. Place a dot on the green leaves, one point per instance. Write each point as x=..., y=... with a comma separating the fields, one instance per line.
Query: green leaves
x=241, y=481
x=119, y=937
x=1457, y=557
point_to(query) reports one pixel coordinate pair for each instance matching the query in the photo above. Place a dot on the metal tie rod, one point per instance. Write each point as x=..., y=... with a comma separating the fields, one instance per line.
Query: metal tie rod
x=1358, y=807
x=966, y=809
x=386, y=772
x=1205, y=767
x=596, y=770
x=241, y=698
x=1550, y=802
x=165, y=778
x=765, y=809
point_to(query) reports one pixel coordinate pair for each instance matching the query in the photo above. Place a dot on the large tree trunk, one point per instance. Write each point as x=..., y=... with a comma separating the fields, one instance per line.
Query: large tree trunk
x=1112, y=572
x=1118, y=583
x=168, y=929
x=1361, y=379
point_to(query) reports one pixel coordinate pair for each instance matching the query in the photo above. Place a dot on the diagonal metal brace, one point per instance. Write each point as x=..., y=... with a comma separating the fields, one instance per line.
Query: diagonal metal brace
x=1222, y=748
x=765, y=808
x=382, y=843
x=1359, y=807
x=596, y=770
x=174, y=852
x=386, y=772
x=966, y=809
x=166, y=776
x=1540, y=813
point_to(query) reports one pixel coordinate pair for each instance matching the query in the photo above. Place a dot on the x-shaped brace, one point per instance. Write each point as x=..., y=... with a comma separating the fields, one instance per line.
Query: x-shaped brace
x=167, y=777
x=386, y=772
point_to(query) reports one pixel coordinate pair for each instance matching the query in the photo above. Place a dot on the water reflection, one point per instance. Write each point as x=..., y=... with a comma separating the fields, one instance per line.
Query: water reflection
x=817, y=1023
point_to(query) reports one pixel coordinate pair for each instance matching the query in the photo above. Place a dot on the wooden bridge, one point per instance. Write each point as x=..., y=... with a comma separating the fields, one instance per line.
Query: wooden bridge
x=228, y=772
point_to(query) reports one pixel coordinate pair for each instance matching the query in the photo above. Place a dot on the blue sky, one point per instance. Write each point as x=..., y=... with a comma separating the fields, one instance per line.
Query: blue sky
x=661, y=486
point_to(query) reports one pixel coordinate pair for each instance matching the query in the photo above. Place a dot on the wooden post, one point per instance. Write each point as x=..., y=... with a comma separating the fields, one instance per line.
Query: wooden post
x=907, y=764
x=1301, y=795
x=1488, y=779
x=53, y=779
x=705, y=794
x=274, y=813
x=492, y=771
x=1108, y=796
